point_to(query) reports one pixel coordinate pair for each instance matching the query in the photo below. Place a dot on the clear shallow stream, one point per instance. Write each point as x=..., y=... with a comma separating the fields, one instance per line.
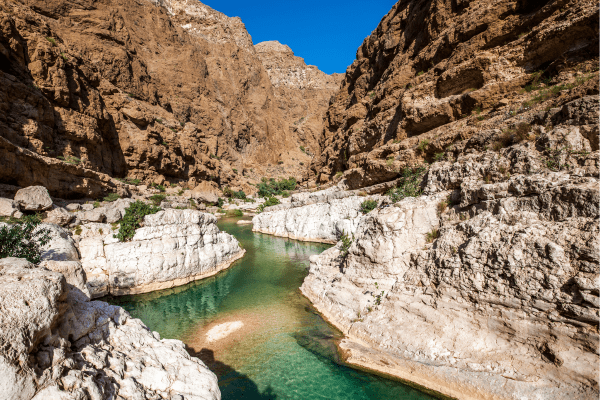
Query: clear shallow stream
x=278, y=347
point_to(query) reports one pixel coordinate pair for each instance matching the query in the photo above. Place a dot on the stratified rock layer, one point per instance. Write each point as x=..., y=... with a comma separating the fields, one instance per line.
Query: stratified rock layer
x=174, y=247
x=502, y=305
x=435, y=73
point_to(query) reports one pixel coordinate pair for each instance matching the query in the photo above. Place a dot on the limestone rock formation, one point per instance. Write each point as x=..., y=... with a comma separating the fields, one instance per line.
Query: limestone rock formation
x=56, y=346
x=434, y=74
x=163, y=91
x=315, y=217
x=477, y=290
x=9, y=209
x=173, y=247
x=33, y=198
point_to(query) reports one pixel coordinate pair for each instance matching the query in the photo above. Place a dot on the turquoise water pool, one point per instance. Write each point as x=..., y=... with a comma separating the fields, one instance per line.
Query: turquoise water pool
x=254, y=329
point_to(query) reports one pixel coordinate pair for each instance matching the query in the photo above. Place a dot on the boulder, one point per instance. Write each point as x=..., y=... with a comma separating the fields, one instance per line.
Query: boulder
x=30, y=299
x=206, y=192
x=87, y=207
x=61, y=246
x=9, y=209
x=54, y=342
x=59, y=216
x=94, y=215
x=73, y=207
x=33, y=198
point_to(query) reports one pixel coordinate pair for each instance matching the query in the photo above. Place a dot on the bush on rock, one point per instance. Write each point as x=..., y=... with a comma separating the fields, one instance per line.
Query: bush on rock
x=367, y=206
x=134, y=215
x=409, y=185
x=271, y=201
x=24, y=239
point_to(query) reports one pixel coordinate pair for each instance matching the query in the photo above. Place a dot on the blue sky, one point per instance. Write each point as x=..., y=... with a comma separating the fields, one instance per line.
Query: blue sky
x=324, y=33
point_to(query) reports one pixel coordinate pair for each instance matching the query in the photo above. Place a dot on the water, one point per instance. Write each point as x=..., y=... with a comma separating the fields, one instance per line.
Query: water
x=279, y=348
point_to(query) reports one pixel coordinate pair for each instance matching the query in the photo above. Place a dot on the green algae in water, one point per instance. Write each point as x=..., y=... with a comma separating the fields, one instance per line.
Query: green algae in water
x=284, y=349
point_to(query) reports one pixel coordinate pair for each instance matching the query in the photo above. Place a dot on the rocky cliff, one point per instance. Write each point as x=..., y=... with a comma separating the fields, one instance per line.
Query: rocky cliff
x=159, y=91
x=435, y=73
x=477, y=290
x=302, y=93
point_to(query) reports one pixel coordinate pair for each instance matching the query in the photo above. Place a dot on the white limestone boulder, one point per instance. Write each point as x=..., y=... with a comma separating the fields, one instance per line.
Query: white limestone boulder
x=8, y=208
x=56, y=346
x=33, y=198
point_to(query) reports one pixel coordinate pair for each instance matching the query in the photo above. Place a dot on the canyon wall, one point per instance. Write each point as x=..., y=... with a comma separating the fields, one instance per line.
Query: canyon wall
x=481, y=280
x=435, y=73
x=158, y=91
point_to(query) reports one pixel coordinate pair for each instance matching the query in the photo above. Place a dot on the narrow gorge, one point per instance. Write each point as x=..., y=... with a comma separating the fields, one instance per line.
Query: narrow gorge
x=188, y=214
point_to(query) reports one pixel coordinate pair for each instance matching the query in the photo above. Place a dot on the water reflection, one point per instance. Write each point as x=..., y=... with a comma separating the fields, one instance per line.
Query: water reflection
x=281, y=348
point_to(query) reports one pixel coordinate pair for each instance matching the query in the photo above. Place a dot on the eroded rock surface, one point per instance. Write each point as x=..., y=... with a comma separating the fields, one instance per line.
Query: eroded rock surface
x=434, y=74
x=316, y=217
x=173, y=247
x=57, y=346
x=503, y=303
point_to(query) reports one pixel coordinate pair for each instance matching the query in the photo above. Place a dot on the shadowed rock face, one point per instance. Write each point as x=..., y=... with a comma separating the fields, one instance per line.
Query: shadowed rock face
x=171, y=90
x=302, y=94
x=440, y=71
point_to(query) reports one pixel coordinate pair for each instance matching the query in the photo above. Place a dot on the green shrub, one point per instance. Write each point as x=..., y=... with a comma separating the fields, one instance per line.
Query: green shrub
x=128, y=181
x=160, y=188
x=96, y=204
x=234, y=213
x=285, y=194
x=134, y=215
x=220, y=202
x=302, y=149
x=271, y=201
x=409, y=185
x=51, y=40
x=346, y=243
x=157, y=199
x=439, y=156
x=112, y=197
x=431, y=236
x=423, y=145
x=232, y=194
x=271, y=187
x=367, y=206
x=24, y=239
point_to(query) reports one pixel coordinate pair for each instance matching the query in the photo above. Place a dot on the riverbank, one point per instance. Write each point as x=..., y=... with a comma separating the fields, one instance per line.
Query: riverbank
x=253, y=328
